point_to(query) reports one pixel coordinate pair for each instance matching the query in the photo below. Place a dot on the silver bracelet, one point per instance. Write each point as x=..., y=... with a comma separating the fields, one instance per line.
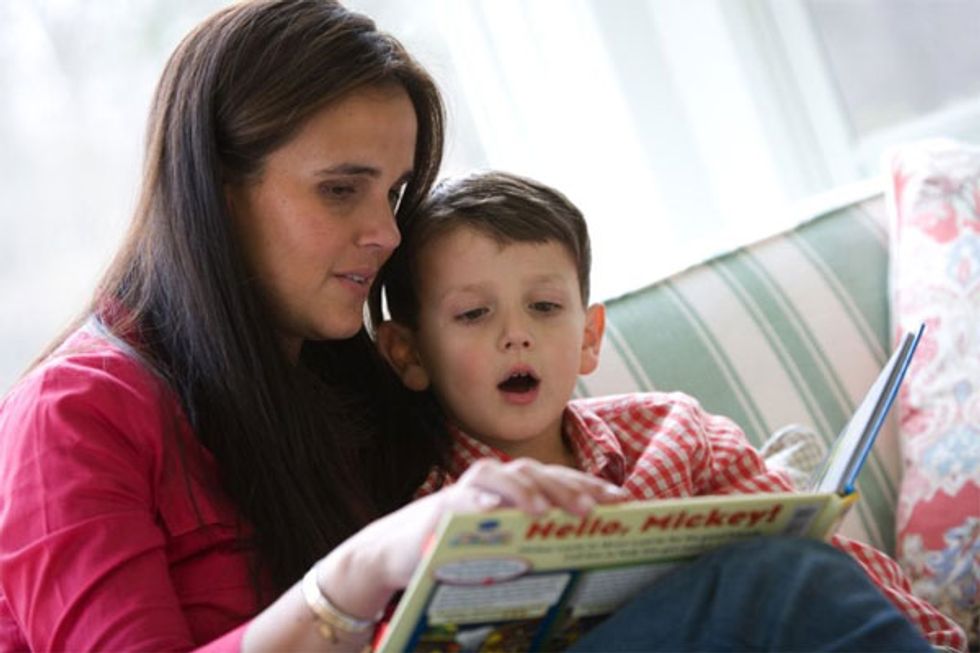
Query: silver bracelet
x=329, y=618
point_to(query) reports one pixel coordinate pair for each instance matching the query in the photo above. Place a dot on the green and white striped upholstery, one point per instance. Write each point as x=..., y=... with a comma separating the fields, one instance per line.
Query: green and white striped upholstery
x=790, y=330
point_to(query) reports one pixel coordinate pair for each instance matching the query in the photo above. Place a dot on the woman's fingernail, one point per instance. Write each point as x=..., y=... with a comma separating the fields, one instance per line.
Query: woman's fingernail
x=539, y=505
x=584, y=503
x=486, y=500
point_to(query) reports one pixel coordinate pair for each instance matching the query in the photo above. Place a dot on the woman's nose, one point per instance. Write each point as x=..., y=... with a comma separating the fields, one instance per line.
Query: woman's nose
x=381, y=229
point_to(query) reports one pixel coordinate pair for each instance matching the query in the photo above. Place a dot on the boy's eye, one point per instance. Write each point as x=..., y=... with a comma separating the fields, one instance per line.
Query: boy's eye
x=471, y=315
x=545, y=307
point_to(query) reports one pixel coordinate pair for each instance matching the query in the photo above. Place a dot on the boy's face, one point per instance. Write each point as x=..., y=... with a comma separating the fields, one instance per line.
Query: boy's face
x=502, y=337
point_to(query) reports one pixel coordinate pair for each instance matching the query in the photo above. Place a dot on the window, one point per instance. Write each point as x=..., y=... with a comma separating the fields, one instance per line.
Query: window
x=902, y=68
x=681, y=127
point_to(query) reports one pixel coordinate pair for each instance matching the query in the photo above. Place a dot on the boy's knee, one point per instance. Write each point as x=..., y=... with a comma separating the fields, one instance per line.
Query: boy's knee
x=779, y=550
x=786, y=561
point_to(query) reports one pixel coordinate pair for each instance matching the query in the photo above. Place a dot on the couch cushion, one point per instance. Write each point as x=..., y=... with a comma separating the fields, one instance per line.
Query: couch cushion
x=935, y=195
x=792, y=329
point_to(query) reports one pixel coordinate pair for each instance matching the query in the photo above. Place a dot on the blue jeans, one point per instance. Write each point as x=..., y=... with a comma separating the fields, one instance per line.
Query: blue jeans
x=764, y=594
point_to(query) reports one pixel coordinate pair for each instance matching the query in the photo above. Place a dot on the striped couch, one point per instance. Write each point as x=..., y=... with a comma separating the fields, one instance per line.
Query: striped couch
x=789, y=330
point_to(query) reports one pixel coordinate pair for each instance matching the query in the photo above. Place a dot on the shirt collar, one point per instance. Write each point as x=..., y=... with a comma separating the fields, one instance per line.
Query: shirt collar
x=597, y=449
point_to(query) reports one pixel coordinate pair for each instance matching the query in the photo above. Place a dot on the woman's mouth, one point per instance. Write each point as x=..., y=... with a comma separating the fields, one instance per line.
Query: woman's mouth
x=358, y=281
x=362, y=279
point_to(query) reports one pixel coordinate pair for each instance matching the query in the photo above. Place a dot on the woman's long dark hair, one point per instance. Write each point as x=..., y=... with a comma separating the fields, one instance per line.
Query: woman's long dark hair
x=309, y=453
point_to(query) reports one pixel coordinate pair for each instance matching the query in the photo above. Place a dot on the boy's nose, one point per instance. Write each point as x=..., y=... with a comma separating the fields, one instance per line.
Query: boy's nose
x=515, y=336
x=523, y=342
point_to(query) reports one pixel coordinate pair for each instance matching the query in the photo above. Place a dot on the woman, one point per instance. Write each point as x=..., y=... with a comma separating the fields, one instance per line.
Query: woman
x=218, y=421
x=217, y=426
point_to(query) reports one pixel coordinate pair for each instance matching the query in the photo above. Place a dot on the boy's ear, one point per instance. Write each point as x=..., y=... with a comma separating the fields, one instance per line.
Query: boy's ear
x=396, y=343
x=595, y=326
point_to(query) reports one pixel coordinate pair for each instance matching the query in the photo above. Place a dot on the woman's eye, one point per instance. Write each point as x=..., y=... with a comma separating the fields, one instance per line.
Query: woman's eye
x=471, y=315
x=545, y=307
x=337, y=191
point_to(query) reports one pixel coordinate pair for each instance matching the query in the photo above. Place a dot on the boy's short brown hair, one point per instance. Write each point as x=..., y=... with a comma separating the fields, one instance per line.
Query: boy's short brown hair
x=506, y=207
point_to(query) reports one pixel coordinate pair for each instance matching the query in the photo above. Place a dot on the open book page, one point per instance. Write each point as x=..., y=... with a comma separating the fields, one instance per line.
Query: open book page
x=507, y=581
x=840, y=469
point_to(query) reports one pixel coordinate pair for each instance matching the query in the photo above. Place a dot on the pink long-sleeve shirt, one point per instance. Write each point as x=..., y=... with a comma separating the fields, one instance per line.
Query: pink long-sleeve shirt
x=105, y=544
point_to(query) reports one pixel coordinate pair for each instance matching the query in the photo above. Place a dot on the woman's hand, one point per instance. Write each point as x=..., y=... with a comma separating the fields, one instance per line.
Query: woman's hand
x=530, y=486
x=363, y=572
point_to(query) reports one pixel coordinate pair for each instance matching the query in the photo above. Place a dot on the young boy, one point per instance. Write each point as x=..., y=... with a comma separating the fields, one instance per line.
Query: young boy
x=488, y=297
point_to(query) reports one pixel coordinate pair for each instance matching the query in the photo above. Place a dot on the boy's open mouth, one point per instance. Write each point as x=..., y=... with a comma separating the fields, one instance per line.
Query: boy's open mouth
x=519, y=382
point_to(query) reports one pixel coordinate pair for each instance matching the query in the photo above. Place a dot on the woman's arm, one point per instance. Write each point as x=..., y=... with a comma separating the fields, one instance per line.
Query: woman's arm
x=100, y=546
x=360, y=576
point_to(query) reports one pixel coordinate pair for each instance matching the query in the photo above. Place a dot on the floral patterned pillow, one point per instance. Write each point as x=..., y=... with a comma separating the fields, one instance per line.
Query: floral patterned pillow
x=935, y=201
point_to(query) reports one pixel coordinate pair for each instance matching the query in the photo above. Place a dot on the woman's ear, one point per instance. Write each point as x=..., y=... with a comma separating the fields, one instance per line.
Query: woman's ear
x=595, y=326
x=396, y=343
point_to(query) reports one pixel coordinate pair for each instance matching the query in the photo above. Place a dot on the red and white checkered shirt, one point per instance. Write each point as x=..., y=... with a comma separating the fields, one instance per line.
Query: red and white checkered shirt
x=664, y=445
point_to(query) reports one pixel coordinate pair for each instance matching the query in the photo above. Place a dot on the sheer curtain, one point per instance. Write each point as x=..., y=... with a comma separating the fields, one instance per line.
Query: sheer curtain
x=645, y=114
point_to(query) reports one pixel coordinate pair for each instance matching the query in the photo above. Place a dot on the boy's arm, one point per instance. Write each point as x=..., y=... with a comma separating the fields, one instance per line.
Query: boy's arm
x=734, y=466
x=674, y=448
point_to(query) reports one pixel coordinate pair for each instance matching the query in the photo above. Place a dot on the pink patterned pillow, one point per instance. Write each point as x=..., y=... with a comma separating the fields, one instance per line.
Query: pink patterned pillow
x=935, y=201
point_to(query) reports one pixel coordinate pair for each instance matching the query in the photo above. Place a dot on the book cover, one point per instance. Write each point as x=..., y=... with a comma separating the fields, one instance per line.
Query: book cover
x=508, y=581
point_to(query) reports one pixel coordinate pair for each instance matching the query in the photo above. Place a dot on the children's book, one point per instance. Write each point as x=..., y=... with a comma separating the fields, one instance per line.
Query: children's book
x=507, y=581
x=839, y=470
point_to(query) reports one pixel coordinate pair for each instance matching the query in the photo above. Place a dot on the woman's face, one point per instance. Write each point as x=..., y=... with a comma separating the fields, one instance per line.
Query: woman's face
x=318, y=221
